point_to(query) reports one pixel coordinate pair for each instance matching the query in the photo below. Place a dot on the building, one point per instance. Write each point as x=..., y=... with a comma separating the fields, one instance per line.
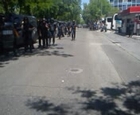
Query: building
x=124, y=4
x=130, y=14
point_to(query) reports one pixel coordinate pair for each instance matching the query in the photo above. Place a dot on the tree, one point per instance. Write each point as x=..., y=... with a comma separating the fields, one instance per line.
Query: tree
x=59, y=9
x=97, y=9
x=8, y=5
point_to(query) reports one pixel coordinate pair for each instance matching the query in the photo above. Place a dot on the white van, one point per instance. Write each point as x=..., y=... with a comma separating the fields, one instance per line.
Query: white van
x=108, y=21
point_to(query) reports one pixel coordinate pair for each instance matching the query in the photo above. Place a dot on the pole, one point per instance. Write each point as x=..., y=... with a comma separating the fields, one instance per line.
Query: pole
x=118, y=5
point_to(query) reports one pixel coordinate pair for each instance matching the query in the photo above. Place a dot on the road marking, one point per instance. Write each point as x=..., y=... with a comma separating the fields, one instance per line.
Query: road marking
x=118, y=44
x=63, y=81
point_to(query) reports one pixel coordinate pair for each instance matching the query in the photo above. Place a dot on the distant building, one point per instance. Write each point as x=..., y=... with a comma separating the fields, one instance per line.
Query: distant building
x=124, y=4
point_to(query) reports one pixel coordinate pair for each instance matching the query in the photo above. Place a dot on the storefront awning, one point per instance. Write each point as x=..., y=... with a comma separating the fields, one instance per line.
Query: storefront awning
x=130, y=10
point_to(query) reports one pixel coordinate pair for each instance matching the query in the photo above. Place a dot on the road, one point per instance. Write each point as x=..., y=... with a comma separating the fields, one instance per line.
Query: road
x=97, y=74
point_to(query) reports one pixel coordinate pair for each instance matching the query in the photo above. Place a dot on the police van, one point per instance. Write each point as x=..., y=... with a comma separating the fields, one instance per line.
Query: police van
x=7, y=38
x=18, y=23
x=11, y=33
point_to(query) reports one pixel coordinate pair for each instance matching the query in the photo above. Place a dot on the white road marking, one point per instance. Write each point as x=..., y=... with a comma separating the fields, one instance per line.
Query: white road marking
x=118, y=44
x=63, y=81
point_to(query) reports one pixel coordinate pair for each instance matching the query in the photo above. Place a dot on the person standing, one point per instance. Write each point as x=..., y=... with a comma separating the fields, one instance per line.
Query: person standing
x=27, y=33
x=131, y=28
x=73, y=30
x=44, y=33
x=59, y=31
x=68, y=29
x=52, y=30
x=39, y=32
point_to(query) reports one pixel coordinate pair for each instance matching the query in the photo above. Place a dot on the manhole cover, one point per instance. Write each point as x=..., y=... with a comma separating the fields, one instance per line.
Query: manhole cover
x=75, y=70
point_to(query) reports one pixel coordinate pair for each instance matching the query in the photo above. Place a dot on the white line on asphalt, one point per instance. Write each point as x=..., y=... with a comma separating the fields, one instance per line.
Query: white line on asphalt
x=118, y=44
x=63, y=81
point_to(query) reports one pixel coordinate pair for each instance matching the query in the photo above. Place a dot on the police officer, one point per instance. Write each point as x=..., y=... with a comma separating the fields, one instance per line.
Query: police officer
x=39, y=22
x=69, y=29
x=2, y=20
x=27, y=32
x=131, y=28
x=73, y=29
x=59, y=30
x=17, y=28
x=44, y=33
x=52, y=28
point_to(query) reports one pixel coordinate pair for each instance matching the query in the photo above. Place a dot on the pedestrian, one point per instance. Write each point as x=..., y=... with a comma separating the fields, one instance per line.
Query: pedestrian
x=17, y=28
x=52, y=28
x=59, y=30
x=44, y=33
x=65, y=29
x=2, y=22
x=39, y=32
x=130, y=29
x=68, y=29
x=27, y=33
x=73, y=30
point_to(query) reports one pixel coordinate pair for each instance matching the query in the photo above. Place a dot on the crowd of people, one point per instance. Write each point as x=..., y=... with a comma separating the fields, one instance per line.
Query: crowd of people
x=48, y=31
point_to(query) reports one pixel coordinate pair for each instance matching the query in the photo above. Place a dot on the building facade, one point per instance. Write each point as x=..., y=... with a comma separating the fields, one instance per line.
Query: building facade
x=124, y=4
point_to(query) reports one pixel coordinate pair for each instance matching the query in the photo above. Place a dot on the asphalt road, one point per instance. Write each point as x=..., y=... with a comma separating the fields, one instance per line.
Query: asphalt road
x=97, y=74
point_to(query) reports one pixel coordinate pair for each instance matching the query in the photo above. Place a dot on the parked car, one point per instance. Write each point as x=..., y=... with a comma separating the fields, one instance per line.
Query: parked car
x=80, y=26
x=85, y=26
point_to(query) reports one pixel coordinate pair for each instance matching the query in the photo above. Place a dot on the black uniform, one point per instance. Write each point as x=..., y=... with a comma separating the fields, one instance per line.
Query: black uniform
x=59, y=31
x=1, y=29
x=73, y=30
x=131, y=28
x=39, y=31
x=44, y=33
x=27, y=32
x=52, y=29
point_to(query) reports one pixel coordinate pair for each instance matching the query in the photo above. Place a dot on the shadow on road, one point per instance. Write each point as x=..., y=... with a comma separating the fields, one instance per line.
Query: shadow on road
x=43, y=105
x=4, y=60
x=123, y=99
x=51, y=51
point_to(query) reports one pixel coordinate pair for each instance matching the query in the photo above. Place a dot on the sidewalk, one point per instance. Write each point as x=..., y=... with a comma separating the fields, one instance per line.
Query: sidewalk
x=137, y=37
x=131, y=45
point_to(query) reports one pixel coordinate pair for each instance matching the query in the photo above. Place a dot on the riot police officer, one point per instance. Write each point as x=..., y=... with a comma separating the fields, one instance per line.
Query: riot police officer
x=2, y=18
x=52, y=28
x=44, y=32
x=39, y=32
x=27, y=33
x=73, y=30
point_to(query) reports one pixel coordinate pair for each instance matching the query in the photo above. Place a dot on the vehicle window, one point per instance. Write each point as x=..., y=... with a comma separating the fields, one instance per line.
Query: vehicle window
x=109, y=19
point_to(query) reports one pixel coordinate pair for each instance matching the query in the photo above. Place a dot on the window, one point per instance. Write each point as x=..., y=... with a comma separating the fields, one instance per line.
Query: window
x=109, y=19
x=120, y=1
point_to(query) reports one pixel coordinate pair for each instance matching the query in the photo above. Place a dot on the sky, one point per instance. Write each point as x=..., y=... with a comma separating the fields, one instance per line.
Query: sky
x=84, y=1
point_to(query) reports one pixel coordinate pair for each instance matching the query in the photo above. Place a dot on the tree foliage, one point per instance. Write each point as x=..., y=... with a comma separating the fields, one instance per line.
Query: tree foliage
x=97, y=9
x=59, y=9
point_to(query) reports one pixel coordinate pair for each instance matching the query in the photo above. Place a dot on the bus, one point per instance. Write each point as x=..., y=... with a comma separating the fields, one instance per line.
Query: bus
x=116, y=22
